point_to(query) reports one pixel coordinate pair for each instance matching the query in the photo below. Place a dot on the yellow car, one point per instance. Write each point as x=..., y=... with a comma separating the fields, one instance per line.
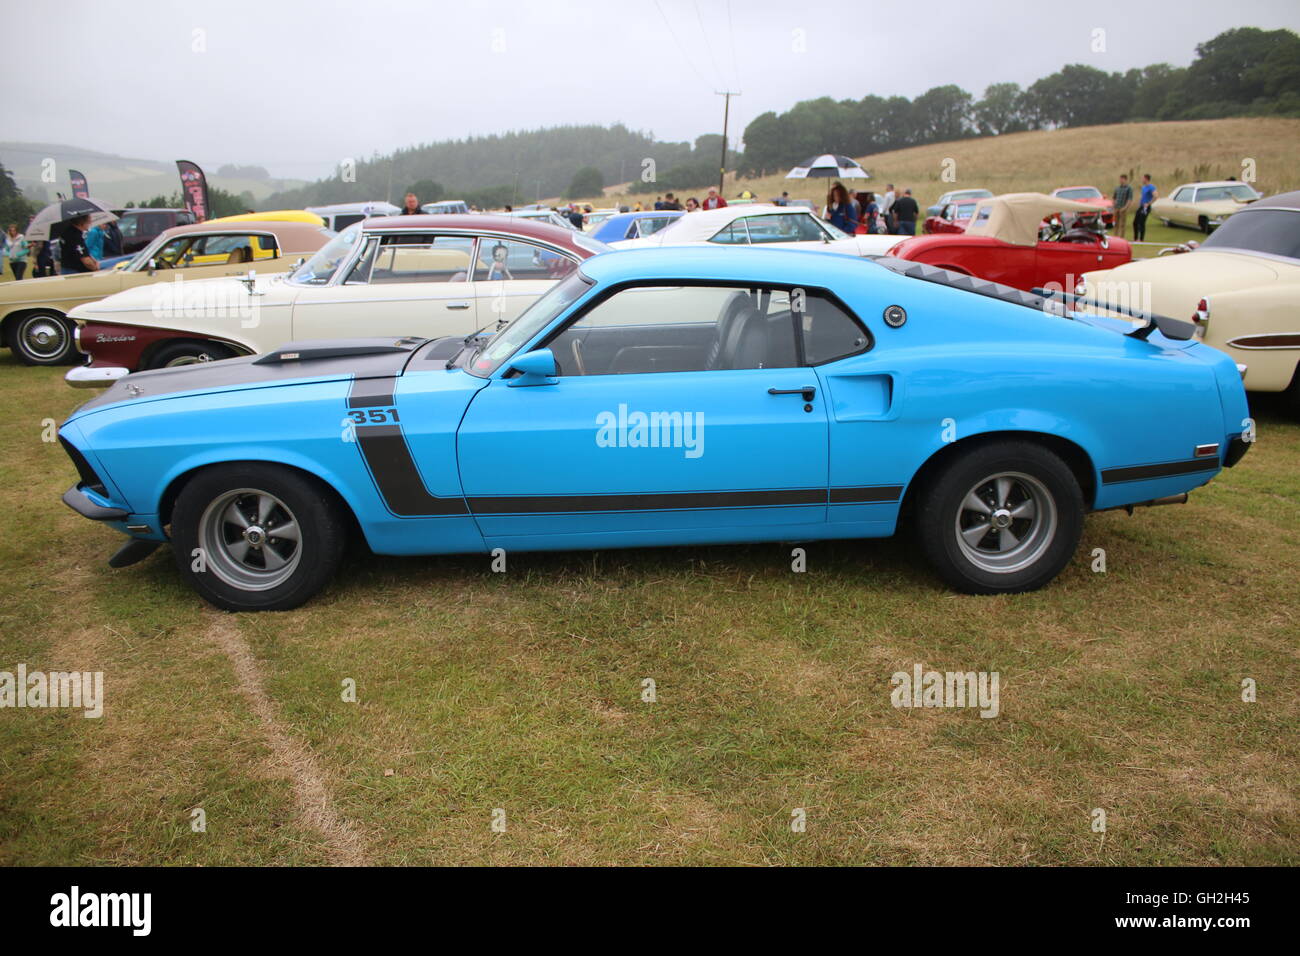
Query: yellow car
x=277, y=215
x=1203, y=206
x=33, y=312
x=1241, y=287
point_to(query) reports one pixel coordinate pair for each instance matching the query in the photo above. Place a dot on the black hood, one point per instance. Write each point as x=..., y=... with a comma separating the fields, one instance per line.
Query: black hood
x=339, y=358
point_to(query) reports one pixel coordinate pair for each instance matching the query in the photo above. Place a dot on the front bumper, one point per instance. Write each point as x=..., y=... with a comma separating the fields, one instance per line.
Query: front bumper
x=84, y=505
x=91, y=376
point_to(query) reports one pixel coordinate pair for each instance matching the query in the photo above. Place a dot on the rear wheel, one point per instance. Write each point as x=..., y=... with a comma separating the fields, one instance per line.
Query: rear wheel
x=1003, y=518
x=255, y=537
x=42, y=338
x=188, y=353
x=1204, y=223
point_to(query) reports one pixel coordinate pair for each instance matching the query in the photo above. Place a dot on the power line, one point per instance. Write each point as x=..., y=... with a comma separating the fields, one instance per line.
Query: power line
x=681, y=49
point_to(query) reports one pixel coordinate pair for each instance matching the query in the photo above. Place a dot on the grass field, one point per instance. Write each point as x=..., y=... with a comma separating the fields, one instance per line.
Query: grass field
x=1174, y=153
x=523, y=691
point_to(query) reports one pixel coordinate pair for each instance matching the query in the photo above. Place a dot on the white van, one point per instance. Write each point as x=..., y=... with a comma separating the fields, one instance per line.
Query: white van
x=343, y=214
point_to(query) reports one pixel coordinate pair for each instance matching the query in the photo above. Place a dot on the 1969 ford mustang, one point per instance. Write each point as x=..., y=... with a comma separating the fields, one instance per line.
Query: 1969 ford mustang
x=669, y=397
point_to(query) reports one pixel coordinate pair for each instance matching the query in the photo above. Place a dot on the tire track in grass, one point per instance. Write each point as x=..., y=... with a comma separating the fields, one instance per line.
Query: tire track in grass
x=311, y=795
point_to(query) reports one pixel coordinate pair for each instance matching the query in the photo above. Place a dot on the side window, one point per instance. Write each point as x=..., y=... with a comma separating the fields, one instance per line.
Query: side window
x=1183, y=195
x=128, y=225
x=174, y=251
x=509, y=259
x=732, y=235
x=422, y=258
x=215, y=249
x=784, y=228
x=678, y=329
x=829, y=333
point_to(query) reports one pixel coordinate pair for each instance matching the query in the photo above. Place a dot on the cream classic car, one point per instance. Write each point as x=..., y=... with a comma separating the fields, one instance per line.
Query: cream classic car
x=34, y=313
x=1203, y=206
x=399, y=275
x=1241, y=287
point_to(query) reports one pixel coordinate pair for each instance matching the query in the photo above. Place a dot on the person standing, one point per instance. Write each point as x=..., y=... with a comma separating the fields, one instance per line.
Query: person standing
x=112, y=239
x=887, y=208
x=1145, y=199
x=15, y=250
x=713, y=200
x=1122, y=198
x=670, y=202
x=411, y=205
x=841, y=210
x=95, y=242
x=73, y=255
x=692, y=205
x=905, y=212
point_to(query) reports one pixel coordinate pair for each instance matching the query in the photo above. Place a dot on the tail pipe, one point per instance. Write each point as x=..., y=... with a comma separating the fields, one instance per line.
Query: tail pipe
x=1179, y=499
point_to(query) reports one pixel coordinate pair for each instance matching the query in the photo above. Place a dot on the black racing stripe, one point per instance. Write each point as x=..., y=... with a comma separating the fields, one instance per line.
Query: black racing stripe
x=389, y=458
x=1110, y=476
x=853, y=496
x=371, y=392
x=678, y=501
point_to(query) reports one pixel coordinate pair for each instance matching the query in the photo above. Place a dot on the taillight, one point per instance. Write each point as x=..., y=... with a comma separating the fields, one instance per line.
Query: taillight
x=1201, y=317
x=1081, y=288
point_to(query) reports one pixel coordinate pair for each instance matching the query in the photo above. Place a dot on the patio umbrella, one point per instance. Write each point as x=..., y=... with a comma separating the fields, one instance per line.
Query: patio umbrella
x=828, y=165
x=64, y=210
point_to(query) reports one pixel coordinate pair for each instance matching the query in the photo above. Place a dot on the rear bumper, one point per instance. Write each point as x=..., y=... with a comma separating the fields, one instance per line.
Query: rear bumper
x=95, y=376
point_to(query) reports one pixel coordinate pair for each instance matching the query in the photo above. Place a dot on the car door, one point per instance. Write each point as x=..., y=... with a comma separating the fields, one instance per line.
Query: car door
x=400, y=283
x=1183, y=212
x=678, y=414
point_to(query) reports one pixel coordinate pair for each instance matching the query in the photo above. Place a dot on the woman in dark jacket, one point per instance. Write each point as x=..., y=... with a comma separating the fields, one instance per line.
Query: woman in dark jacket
x=841, y=211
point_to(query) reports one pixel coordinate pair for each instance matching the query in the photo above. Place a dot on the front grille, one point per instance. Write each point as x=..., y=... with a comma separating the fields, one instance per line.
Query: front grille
x=89, y=479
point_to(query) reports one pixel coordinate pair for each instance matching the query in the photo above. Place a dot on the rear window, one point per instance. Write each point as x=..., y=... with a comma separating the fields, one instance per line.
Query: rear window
x=1275, y=232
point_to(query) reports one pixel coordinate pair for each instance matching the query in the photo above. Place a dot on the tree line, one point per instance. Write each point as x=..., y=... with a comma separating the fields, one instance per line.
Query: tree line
x=1241, y=72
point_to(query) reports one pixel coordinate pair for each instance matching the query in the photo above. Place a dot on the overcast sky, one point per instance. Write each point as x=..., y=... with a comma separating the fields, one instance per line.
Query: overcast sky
x=297, y=86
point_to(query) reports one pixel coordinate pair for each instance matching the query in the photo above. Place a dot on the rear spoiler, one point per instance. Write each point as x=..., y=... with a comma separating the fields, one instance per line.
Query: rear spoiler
x=1171, y=328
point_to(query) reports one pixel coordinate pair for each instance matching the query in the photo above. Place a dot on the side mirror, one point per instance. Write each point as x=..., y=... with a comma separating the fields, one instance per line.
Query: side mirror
x=536, y=368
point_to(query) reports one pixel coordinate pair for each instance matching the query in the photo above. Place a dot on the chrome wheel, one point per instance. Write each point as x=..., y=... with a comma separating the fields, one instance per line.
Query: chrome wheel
x=1006, y=522
x=43, y=338
x=250, y=539
x=188, y=360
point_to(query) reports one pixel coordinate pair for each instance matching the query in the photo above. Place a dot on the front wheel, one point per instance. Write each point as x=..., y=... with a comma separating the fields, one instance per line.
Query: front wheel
x=255, y=537
x=1003, y=518
x=42, y=338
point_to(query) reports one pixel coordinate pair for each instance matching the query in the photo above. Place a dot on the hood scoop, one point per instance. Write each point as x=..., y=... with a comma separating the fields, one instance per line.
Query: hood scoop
x=338, y=348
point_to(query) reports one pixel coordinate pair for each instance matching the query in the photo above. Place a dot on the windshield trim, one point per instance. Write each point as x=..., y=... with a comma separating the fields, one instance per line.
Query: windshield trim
x=494, y=371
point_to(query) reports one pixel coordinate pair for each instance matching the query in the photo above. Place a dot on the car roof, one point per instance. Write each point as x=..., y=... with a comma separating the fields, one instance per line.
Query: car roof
x=728, y=263
x=1289, y=200
x=285, y=232
x=706, y=223
x=519, y=226
x=1217, y=182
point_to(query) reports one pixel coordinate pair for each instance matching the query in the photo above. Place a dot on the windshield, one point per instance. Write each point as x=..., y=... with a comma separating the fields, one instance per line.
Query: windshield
x=1083, y=192
x=320, y=268
x=649, y=226
x=535, y=318
x=1275, y=232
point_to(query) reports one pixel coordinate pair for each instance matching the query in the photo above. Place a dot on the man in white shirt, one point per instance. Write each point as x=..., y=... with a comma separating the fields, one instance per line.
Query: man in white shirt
x=886, y=207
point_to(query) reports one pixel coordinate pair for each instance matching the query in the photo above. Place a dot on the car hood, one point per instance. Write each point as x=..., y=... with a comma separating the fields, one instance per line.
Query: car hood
x=169, y=293
x=1175, y=283
x=46, y=288
x=297, y=363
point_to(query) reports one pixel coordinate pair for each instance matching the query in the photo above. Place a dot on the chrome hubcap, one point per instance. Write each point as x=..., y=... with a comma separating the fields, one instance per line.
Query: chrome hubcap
x=1006, y=522
x=250, y=539
x=189, y=360
x=44, y=337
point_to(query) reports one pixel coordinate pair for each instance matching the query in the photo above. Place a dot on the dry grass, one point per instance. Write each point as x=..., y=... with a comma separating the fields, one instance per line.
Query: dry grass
x=522, y=692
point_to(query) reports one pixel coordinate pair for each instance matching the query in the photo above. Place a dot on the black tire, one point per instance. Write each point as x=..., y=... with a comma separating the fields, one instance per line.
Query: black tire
x=1205, y=225
x=1039, y=484
x=42, y=338
x=253, y=582
x=188, y=353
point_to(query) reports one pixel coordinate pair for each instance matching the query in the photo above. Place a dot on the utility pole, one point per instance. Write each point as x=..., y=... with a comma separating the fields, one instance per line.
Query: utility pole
x=726, y=113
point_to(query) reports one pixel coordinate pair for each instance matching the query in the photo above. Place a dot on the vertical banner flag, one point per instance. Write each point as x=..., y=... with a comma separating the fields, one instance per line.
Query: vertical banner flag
x=79, y=187
x=194, y=187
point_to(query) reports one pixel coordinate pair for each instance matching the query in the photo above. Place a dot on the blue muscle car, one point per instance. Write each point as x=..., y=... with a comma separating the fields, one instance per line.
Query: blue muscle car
x=634, y=225
x=670, y=397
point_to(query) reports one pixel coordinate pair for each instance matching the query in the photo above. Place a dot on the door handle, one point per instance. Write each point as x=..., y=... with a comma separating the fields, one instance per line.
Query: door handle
x=458, y=305
x=807, y=391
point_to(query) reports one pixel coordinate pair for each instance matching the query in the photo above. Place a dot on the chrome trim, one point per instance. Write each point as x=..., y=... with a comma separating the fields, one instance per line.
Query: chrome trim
x=1242, y=342
x=86, y=376
x=1241, y=370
